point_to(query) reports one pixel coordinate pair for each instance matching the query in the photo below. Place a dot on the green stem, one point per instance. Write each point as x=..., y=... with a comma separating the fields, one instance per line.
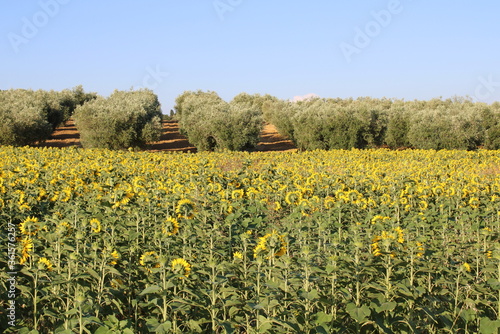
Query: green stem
x=35, y=301
x=388, y=273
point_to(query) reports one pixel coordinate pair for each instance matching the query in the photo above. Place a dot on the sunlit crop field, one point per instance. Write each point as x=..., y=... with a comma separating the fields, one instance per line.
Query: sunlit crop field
x=371, y=241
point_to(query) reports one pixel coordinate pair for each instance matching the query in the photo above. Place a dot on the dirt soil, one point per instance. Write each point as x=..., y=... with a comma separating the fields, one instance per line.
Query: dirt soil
x=170, y=140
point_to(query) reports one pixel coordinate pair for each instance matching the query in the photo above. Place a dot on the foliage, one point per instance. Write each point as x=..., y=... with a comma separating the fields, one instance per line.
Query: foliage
x=211, y=124
x=28, y=116
x=398, y=126
x=359, y=241
x=24, y=117
x=70, y=99
x=452, y=126
x=333, y=124
x=491, y=126
x=125, y=119
x=280, y=113
x=366, y=123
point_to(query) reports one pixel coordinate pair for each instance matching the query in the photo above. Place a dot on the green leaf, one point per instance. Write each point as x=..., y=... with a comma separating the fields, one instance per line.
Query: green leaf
x=233, y=310
x=228, y=327
x=194, y=326
x=322, y=330
x=489, y=326
x=265, y=324
x=103, y=330
x=323, y=318
x=311, y=295
x=150, y=289
x=387, y=306
x=360, y=314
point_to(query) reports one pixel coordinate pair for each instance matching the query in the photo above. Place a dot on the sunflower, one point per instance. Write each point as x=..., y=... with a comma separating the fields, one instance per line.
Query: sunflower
x=379, y=218
x=273, y=243
x=63, y=228
x=149, y=260
x=238, y=256
x=375, y=246
x=181, y=267
x=423, y=205
x=95, y=225
x=237, y=194
x=29, y=226
x=185, y=209
x=329, y=202
x=43, y=262
x=170, y=226
x=420, y=249
x=252, y=193
x=114, y=257
x=474, y=202
x=293, y=197
x=400, y=232
x=27, y=247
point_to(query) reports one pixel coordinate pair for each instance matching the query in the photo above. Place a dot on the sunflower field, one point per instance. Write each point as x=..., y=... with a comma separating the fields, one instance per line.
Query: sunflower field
x=341, y=241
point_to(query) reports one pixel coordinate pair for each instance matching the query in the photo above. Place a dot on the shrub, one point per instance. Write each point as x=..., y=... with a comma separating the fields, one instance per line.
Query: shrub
x=490, y=117
x=125, y=119
x=336, y=124
x=27, y=116
x=212, y=124
x=256, y=101
x=451, y=126
x=70, y=99
x=398, y=125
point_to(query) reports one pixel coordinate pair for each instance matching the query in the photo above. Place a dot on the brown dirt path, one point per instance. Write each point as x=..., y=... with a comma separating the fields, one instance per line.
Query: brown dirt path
x=271, y=140
x=171, y=140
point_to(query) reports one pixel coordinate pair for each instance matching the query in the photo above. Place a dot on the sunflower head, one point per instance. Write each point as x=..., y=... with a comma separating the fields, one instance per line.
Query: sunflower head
x=26, y=249
x=237, y=194
x=44, y=264
x=170, y=226
x=272, y=244
x=293, y=197
x=181, y=267
x=95, y=225
x=237, y=256
x=29, y=226
x=114, y=255
x=185, y=209
x=63, y=228
x=149, y=260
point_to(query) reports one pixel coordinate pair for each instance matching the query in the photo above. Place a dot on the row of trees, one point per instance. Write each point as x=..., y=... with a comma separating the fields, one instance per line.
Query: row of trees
x=458, y=123
x=125, y=119
x=210, y=123
x=133, y=119
x=28, y=116
x=365, y=123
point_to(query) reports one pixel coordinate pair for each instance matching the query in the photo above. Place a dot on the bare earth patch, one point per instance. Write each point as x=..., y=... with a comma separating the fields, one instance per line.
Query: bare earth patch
x=171, y=140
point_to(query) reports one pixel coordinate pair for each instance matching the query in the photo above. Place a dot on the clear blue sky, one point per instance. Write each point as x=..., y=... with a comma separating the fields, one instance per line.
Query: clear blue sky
x=421, y=50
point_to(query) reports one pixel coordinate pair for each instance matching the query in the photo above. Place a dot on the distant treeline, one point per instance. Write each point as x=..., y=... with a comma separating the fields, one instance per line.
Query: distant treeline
x=28, y=116
x=125, y=119
x=133, y=119
x=329, y=124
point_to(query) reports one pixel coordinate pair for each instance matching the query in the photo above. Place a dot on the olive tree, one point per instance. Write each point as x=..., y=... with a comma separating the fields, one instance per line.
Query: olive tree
x=125, y=119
